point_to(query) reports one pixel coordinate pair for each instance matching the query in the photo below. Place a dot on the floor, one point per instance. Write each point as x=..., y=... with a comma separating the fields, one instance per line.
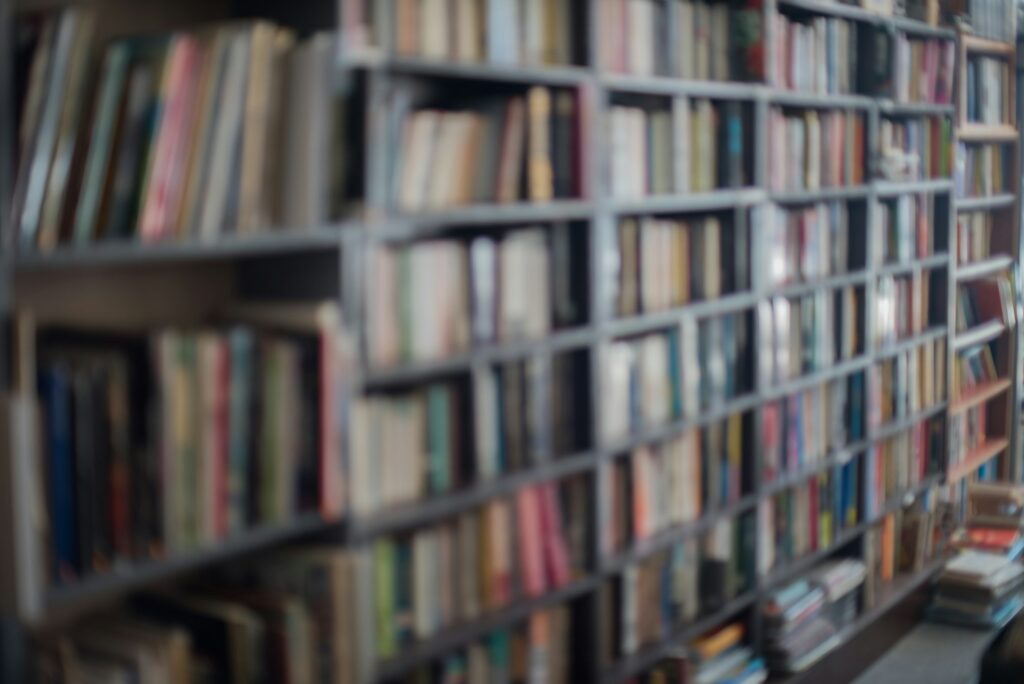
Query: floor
x=930, y=654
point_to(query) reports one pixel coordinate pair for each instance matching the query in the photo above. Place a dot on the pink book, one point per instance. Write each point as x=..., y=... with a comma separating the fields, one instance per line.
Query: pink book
x=641, y=495
x=556, y=552
x=531, y=560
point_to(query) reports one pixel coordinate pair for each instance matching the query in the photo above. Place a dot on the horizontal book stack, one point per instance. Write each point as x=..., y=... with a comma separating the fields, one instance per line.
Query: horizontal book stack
x=811, y=149
x=806, y=427
x=804, y=618
x=668, y=263
x=978, y=589
x=191, y=135
x=289, y=620
x=923, y=69
x=916, y=148
x=724, y=655
x=984, y=300
x=808, y=243
x=817, y=55
x=811, y=332
x=679, y=146
x=994, y=519
x=689, y=39
x=907, y=382
x=158, y=446
x=496, y=149
x=508, y=550
x=988, y=90
x=898, y=464
x=656, y=378
x=809, y=516
x=983, y=169
x=538, y=32
x=905, y=229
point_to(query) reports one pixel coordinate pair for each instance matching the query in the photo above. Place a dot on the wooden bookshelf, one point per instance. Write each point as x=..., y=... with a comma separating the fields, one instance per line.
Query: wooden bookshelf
x=334, y=257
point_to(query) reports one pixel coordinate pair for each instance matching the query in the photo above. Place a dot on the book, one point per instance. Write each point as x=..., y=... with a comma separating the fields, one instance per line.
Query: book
x=798, y=159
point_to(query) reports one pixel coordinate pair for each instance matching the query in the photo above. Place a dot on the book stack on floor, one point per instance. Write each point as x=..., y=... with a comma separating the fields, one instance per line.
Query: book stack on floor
x=804, y=619
x=978, y=589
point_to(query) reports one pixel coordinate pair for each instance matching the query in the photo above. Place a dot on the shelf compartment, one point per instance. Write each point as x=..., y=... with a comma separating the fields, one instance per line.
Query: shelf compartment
x=976, y=458
x=991, y=47
x=979, y=395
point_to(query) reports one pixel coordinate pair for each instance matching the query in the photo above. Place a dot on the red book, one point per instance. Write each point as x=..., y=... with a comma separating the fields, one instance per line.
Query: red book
x=556, y=553
x=530, y=531
x=995, y=539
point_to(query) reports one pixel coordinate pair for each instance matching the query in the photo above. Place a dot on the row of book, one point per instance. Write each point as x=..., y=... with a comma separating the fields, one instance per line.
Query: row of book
x=900, y=544
x=287, y=619
x=903, y=308
x=923, y=69
x=907, y=382
x=969, y=431
x=916, y=148
x=805, y=618
x=655, y=378
x=537, y=32
x=437, y=298
x=973, y=368
x=978, y=234
x=806, y=334
x=813, y=149
x=808, y=516
x=983, y=300
x=983, y=169
x=509, y=549
x=185, y=135
x=503, y=148
x=661, y=486
x=988, y=93
x=896, y=464
x=810, y=242
x=905, y=229
x=666, y=263
x=993, y=19
x=807, y=426
x=689, y=39
x=817, y=56
x=673, y=586
x=693, y=145
x=157, y=446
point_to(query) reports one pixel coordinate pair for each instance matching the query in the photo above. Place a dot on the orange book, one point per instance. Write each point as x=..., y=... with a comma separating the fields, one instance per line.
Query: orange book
x=718, y=642
x=641, y=517
x=888, y=547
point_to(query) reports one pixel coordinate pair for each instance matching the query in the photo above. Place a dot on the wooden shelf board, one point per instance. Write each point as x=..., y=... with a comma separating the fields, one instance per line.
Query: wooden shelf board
x=983, y=267
x=991, y=47
x=979, y=395
x=975, y=132
x=976, y=458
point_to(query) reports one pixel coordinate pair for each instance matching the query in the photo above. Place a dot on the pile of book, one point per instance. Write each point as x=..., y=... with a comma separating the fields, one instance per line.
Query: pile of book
x=984, y=300
x=289, y=619
x=994, y=520
x=498, y=148
x=692, y=145
x=187, y=135
x=983, y=169
x=721, y=656
x=804, y=620
x=803, y=428
x=537, y=32
x=159, y=445
x=978, y=589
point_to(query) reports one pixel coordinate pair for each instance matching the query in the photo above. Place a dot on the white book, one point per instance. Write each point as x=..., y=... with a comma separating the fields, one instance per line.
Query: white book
x=483, y=266
x=681, y=160
x=502, y=31
x=690, y=368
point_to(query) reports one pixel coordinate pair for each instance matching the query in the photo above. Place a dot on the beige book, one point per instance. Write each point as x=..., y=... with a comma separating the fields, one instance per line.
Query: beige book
x=541, y=176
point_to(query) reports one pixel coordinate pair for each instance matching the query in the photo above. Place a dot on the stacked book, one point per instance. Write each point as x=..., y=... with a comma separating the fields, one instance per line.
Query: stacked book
x=722, y=657
x=978, y=589
x=804, y=620
x=995, y=516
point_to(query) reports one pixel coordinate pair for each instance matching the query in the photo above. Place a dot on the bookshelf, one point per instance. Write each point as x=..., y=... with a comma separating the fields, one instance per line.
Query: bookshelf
x=337, y=259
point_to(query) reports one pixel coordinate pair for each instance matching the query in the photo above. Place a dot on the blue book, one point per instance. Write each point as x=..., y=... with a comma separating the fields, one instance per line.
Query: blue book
x=499, y=422
x=55, y=392
x=675, y=373
x=856, y=407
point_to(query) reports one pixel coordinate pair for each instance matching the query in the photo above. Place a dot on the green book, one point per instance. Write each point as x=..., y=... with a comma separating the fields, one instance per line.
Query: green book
x=439, y=438
x=405, y=304
x=384, y=590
